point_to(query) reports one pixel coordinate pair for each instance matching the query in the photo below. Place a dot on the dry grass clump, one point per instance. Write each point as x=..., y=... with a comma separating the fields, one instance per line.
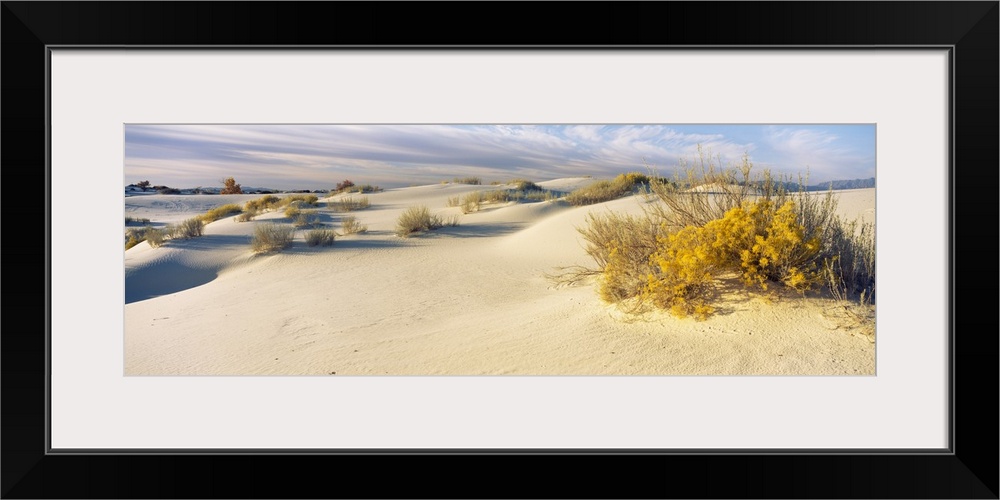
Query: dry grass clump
x=350, y=225
x=306, y=218
x=246, y=216
x=350, y=187
x=349, y=204
x=136, y=235
x=475, y=181
x=298, y=200
x=619, y=242
x=454, y=201
x=601, y=191
x=262, y=204
x=292, y=211
x=220, y=212
x=191, y=228
x=155, y=237
x=320, y=237
x=700, y=230
x=135, y=220
x=523, y=191
x=271, y=237
x=418, y=218
x=525, y=185
x=472, y=202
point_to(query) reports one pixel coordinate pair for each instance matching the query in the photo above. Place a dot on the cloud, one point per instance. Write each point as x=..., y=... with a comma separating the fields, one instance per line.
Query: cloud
x=318, y=156
x=825, y=153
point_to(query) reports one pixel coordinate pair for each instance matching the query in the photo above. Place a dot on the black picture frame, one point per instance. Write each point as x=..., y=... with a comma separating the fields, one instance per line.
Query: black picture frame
x=970, y=470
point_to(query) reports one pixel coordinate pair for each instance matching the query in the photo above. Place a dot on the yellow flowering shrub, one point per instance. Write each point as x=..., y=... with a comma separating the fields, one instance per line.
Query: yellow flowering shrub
x=760, y=242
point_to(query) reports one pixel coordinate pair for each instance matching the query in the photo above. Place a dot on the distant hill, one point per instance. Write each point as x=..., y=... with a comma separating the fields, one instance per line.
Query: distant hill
x=841, y=184
x=850, y=184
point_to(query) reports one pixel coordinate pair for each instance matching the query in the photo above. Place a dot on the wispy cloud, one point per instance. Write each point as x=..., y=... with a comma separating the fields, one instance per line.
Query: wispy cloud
x=318, y=156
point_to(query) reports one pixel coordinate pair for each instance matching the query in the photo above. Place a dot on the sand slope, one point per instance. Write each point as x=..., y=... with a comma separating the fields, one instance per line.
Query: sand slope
x=465, y=300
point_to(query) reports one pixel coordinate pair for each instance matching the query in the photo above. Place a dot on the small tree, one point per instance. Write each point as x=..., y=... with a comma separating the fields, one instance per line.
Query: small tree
x=344, y=185
x=143, y=185
x=231, y=187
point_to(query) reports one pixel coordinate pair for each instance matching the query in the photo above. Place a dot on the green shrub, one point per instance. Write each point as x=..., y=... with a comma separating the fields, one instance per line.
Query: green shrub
x=220, y=212
x=320, y=237
x=350, y=225
x=271, y=237
x=416, y=219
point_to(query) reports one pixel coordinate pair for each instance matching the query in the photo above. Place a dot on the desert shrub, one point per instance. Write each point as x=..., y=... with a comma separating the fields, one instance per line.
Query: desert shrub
x=538, y=195
x=761, y=243
x=220, y=212
x=601, y=191
x=271, y=237
x=261, y=204
x=135, y=220
x=451, y=221
x=246, y=216
x=364, y=188
x=341, y=186
x=525, y=185
x=306, y=218
x=349, y=204
x=621, y=246
x=136, y=235
x=155, y=237
x=190, y=228
x=452, y=202
x=230, y=186
x=416, y=219
x=298, y=200
x=475, y=181
x=292, y=211
x=168, y=190
x=472, y=202
x=495, y=196
x=698, y=231
x=320, y=237
x=849, y=261
x=350, y=225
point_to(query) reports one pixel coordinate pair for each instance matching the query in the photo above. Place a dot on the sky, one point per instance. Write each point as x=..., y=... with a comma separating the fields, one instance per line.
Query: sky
x=319, y=156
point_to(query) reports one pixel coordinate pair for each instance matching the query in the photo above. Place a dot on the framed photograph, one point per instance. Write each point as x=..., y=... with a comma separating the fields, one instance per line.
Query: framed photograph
x=485, y=327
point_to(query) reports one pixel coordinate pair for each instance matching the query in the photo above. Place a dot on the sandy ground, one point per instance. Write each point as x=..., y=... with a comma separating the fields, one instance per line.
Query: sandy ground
x=465, y=300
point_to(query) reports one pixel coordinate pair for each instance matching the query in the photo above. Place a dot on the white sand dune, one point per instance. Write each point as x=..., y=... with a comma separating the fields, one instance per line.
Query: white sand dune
x=465, y=300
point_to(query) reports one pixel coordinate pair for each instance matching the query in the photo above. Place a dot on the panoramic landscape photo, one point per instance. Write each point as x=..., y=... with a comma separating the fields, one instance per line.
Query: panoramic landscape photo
x=596, y=249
